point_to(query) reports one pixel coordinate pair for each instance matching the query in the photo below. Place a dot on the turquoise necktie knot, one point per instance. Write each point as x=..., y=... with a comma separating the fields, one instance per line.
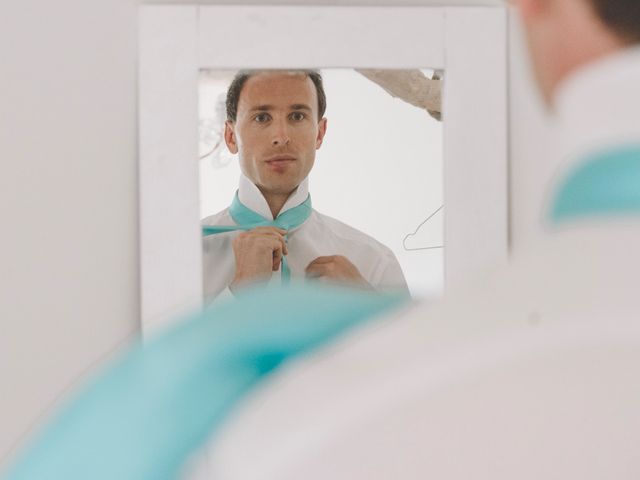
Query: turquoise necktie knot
x=247, y=219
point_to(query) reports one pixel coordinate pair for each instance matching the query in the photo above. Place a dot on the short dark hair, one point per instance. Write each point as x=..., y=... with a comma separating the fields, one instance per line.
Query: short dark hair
x=621, y=16
x=233, y=93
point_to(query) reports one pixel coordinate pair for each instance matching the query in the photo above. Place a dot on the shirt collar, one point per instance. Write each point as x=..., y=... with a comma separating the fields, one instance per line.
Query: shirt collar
x=252, y=197
x=598, y=106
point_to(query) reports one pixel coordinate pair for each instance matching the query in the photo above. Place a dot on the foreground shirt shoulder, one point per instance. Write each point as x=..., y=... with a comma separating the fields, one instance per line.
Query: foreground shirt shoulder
x=443, y=378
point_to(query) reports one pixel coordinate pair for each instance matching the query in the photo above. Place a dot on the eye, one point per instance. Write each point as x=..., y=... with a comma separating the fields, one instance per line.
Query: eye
x=262, y=117
x=297, y=116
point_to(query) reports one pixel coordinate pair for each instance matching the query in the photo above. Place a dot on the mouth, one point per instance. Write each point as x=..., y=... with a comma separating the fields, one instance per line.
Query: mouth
x=280, y=160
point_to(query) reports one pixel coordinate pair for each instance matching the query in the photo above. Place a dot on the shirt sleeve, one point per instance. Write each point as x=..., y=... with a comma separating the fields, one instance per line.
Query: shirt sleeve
x=391, y=278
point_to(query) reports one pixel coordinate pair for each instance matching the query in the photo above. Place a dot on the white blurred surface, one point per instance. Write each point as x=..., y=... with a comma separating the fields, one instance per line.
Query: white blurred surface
x=534, y=375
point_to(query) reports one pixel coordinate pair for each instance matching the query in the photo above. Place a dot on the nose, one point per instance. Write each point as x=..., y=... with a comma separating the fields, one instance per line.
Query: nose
x=280, y=135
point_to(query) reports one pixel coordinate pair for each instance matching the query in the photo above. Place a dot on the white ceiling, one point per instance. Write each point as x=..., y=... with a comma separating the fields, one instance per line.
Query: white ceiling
x=337, y=2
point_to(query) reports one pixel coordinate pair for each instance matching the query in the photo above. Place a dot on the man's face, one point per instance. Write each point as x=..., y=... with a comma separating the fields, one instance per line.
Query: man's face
x=276, y=132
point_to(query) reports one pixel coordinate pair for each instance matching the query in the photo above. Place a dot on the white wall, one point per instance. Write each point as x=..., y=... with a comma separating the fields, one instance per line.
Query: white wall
x=68, y=193
x=68, y=262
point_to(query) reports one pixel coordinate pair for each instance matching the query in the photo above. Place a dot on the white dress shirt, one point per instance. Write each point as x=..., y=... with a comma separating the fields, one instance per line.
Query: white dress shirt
x=534, y=375
x=319, y=236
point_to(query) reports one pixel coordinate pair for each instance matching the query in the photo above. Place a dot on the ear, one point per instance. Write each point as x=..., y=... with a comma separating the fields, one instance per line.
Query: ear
x=230, y=136
x=322, y=129
x=531, y=8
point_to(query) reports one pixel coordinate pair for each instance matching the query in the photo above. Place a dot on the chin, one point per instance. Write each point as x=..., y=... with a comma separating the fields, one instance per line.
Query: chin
x=286, y=189
x=281, y=188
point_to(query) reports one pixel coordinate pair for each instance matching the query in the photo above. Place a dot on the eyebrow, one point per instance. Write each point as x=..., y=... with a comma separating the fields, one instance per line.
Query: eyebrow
x=262, y=108
x=265, y=108
x=300, y=106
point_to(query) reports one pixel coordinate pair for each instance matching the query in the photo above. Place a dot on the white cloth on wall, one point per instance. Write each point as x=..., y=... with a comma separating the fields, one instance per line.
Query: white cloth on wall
x=534, y=375
x=319, y=236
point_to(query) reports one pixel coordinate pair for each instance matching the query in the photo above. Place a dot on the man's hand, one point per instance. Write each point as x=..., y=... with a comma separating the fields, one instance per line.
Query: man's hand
x=337, y=269
x=258, y=252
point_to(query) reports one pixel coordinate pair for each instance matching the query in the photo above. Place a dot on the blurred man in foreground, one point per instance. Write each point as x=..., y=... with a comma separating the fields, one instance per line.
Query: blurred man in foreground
x=534, y=375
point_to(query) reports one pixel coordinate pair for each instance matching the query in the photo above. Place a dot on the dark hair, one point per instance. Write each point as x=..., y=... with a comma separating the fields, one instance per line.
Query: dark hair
x=233, y=93
x=621, y=16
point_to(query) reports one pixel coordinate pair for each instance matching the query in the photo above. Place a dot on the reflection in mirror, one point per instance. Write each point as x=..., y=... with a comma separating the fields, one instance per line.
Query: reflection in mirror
x=372, y=164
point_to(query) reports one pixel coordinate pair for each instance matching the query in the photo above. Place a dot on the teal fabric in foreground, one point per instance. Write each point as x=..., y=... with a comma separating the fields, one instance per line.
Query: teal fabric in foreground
x=607, y=185
x=247, y=219
x=143, y=417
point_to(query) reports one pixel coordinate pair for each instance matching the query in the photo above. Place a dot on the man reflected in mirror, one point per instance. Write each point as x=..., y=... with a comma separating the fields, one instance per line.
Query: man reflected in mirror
x=271, y=234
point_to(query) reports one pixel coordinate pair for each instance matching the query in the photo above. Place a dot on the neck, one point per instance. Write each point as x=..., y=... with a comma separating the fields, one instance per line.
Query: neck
x=584, y=40
x=275, y=200
x=597, y=107
x=270, y=202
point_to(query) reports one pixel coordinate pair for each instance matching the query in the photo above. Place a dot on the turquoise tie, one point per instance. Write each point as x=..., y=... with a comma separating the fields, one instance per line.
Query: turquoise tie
x=145, y=416
x=606, y=185
x=247, y=219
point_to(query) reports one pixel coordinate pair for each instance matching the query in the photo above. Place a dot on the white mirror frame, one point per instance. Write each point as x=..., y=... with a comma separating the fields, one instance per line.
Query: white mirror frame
x=177, y=41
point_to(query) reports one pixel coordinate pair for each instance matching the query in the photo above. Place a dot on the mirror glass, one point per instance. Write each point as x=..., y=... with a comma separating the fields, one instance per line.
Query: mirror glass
x=377, y=179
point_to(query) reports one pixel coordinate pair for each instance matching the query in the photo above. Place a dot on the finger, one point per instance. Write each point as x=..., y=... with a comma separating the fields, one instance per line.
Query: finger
x=276, y=241
x=312, y=275
x=319, y=278
x=315, y=271
x=283, y=245
x=323, y=260
x=276, y=252
x=276, y=235
x=279, y=231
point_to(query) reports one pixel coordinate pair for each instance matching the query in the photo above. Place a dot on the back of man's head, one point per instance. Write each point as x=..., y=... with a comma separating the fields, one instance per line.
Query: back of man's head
x=565, y=35
x=620, y=16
